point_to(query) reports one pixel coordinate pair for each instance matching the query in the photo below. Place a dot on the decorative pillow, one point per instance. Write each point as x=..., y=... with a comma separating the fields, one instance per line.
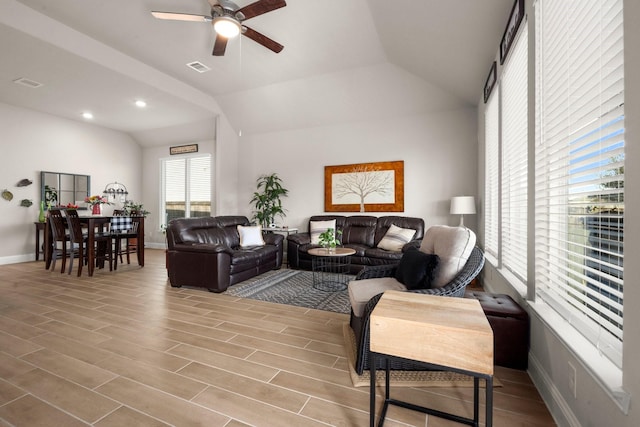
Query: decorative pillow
x=416, y=269
x=395, y=238
x=250, y=236
x=453, y=245
x=316, y=228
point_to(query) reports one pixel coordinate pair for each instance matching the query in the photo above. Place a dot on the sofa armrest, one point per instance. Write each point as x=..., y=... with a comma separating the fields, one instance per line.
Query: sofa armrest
x=273, y=239
x=294, y=242
x=299, y=238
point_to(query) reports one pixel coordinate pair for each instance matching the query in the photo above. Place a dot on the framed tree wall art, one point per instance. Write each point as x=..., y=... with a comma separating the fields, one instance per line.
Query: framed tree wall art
x=364, y=187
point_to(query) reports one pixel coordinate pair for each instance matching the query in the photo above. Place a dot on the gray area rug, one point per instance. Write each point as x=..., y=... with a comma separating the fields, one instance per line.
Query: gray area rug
x=291, y=287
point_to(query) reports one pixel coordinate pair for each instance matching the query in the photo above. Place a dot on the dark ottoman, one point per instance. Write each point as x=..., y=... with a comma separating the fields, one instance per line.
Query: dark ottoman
x=510, y=324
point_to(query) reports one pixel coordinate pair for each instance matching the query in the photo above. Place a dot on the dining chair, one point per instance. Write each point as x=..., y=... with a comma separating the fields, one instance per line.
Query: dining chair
x=123, y=229
x=102, y=240
x=60, y=238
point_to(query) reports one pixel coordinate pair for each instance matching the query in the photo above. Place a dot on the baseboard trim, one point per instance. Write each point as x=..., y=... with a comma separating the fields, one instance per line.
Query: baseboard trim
x=557, y=405
x=16, y=259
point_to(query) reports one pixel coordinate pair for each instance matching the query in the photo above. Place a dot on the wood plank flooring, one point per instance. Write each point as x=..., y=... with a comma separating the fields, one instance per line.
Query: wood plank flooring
x=123, y=348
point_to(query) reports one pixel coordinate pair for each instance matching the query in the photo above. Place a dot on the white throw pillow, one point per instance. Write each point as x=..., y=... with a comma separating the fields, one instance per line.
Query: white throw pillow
x=396, y=238
x=453, y=245
x=316, y=228
x=250, y=236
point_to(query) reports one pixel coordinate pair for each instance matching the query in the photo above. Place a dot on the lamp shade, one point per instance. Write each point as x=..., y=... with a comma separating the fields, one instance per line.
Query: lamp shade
x=463, y=205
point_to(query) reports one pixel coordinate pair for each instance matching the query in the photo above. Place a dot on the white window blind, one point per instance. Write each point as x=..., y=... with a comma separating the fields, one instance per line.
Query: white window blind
x=199, y=187
x=514, y=142
x=579, y=176
x=491, y=193
x=186, y=187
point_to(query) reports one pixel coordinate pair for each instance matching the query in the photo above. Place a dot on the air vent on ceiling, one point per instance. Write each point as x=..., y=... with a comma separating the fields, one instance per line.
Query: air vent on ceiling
x=198, y=66
x=28, y=83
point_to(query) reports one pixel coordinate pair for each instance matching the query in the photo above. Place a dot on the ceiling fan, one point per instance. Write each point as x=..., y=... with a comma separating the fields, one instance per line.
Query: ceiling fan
x=227, y=20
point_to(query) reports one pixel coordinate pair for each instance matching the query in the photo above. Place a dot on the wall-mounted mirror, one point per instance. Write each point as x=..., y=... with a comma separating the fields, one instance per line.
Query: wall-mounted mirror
x=60, y=189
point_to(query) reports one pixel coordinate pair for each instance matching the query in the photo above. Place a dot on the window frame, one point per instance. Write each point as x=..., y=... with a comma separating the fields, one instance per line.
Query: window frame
x=163, y=193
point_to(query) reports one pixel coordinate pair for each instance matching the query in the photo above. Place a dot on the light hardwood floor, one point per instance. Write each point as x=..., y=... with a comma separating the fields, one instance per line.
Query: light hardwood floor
x=125, y=349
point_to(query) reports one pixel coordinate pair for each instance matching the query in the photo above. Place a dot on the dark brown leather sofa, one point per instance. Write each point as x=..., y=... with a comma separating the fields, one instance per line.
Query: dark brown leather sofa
x=206, y=252
x=359, y=232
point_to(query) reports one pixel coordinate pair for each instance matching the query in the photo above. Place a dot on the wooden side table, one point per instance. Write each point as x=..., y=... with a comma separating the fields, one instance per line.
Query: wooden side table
x=442, y=333
x=330, y=268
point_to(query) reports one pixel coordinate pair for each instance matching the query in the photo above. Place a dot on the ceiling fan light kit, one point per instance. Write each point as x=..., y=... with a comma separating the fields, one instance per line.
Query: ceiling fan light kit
x=226, y=26
x=227, y=19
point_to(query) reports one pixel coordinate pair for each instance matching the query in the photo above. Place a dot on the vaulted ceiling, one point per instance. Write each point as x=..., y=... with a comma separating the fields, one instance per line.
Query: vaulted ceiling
x=103, y=55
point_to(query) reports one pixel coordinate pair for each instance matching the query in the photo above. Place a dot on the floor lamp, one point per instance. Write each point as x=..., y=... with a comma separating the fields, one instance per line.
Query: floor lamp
x=463, y=205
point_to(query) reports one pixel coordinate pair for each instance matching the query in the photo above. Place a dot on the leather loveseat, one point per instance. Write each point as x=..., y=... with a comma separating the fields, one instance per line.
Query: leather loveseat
x=206, y=252
x=363, y=233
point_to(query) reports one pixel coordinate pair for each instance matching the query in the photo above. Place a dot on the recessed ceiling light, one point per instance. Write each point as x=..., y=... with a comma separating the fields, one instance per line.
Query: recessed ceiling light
x=140, y=103
x=87, y=115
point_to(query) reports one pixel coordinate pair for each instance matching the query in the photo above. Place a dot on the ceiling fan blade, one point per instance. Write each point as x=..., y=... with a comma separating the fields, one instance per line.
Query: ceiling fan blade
x=262, y=39
x=181, y=16
x=260, y=7
x=220, y=46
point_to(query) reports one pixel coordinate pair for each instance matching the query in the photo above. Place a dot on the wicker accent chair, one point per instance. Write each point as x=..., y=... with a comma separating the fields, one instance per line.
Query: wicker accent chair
x=360, y=325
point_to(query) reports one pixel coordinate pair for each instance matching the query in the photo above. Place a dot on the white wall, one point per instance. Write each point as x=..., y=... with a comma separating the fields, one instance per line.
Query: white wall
x=431, y=132
x=31, y=142
x=549, y=355
x=223, y=147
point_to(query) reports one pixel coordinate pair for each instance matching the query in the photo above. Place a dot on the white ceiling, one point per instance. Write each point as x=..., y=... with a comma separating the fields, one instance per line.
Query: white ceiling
x=103, y=55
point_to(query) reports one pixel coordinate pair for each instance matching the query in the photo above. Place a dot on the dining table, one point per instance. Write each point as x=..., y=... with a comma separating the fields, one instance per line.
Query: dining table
x=93, y=224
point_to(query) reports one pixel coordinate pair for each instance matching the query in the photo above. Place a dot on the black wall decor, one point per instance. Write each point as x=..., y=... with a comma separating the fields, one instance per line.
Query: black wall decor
x=490, y=83
x=183, y=149
x=515, y=18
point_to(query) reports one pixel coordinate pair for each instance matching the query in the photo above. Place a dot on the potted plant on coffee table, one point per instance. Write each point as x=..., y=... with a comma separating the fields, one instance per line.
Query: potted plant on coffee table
x=329, y=239
x=267, y=200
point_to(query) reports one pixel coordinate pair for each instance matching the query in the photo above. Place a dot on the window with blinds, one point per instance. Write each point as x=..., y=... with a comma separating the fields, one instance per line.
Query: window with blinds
x=186, y=187
x=514, y=143
x=579, y=166
x=491, y=193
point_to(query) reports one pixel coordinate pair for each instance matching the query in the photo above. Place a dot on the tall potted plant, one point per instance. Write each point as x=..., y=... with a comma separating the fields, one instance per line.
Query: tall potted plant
x=267, y=201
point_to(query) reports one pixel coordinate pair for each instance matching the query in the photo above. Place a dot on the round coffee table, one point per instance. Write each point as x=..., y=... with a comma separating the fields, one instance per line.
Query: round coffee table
x=330, y=268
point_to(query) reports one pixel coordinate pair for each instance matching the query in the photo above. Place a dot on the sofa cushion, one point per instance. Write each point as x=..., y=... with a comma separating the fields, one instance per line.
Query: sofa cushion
x=453, y=245
x=316, y=228
x=361, y=291
x=416, y=269
x=380, y=256
x=250, y=235
x=396, y=238
x=359, y=230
